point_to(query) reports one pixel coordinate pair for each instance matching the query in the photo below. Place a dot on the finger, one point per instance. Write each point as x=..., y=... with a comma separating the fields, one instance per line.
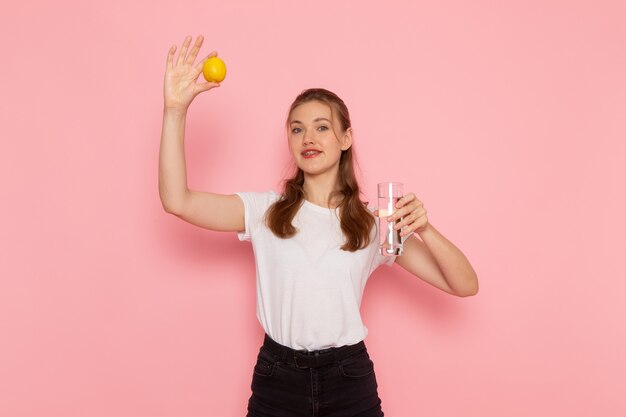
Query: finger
x=401, y=202
x=414, y=205
x=194, y=51
x=405, y=200
x=418, y=225
x=201, y=63
x=408, y=231
x=170, y=57
x=409, y=223
x=401, y=212
x=415, y=215
x=398, y=214
x=405, y=221
x=183, y=51
x=206, y=86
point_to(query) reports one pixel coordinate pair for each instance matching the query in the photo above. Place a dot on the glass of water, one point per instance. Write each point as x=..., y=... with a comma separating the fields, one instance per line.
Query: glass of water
x=390, y=240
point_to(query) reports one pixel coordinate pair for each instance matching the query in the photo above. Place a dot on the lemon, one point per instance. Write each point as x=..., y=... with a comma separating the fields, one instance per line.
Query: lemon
x=214, y=70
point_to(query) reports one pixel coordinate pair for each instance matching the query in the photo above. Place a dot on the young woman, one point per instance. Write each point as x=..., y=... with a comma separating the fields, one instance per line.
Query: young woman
x=315, y=246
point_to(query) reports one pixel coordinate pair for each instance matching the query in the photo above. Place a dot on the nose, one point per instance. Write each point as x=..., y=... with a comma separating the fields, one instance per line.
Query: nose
x=308, y=138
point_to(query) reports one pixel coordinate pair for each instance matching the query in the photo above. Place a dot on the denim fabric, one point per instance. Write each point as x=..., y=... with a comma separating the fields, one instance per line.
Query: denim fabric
x=346, y=387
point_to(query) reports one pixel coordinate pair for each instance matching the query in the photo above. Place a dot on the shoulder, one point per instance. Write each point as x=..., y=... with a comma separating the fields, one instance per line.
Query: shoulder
x=258, y=201
x=269, y=195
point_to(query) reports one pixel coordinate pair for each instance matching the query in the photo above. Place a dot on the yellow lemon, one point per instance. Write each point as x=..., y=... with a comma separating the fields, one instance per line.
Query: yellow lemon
x=214, y=70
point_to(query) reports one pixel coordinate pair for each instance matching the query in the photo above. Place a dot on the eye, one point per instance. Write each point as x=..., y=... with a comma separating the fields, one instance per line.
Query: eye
x=295, y=130
x=323, y=128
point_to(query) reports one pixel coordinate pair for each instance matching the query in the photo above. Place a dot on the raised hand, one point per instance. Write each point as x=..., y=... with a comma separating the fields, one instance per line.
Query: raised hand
x=180, y=86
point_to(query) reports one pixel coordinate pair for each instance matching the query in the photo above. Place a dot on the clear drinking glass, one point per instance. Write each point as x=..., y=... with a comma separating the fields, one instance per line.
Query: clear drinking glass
x=390, y=240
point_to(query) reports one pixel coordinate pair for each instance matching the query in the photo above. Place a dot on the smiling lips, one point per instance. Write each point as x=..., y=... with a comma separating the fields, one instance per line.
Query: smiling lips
x=310, y=153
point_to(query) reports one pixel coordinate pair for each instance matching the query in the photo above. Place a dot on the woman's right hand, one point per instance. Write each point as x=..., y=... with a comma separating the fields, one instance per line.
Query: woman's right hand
x=180, y=86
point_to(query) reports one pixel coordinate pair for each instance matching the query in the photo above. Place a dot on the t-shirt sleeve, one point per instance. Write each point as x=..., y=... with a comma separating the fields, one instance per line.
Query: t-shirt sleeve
x=255, y=205
x=384, y=260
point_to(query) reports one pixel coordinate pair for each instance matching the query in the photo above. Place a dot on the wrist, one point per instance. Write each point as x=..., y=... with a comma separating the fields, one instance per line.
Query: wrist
x=425, y=230
x=175, y=110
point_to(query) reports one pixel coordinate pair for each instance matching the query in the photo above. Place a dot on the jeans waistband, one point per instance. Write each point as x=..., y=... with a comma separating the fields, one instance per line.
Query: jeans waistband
x=311, y=359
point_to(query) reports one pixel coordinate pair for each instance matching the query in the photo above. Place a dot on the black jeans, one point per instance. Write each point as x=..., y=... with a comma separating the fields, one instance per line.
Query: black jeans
x=335, y=382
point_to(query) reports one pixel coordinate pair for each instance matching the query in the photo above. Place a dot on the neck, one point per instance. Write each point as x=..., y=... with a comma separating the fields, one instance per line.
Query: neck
x=317, y=188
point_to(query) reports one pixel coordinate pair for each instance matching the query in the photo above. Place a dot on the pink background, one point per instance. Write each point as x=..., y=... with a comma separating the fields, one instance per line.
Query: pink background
x=505, y=118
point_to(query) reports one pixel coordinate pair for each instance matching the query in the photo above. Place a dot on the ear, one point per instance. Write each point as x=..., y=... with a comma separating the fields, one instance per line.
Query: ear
x=347, y=139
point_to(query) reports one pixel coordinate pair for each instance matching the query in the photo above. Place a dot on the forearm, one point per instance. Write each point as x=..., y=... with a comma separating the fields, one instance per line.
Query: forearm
x=172, y=167
x=457, y=270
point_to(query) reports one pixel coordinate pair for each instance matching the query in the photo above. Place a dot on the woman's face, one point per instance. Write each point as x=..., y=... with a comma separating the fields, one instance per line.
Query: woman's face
x=312, y=140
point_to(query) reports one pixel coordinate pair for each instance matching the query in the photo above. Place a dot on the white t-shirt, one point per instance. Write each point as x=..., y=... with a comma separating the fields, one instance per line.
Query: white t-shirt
x=308, y=290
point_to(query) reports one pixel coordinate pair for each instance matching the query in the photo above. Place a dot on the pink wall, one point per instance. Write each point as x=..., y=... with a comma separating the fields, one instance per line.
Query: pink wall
x=505, y=118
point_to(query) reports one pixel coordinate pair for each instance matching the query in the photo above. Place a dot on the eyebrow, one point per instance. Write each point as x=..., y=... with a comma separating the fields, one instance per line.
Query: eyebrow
x=316, y=120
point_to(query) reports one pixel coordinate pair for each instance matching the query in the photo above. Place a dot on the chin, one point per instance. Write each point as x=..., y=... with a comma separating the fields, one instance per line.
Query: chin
x=309, y=170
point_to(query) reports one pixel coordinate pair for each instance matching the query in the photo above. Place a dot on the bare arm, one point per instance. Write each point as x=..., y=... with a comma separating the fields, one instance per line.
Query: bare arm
x=439, y=262
x=209, y=210
x=434, y=258
x=172, y=167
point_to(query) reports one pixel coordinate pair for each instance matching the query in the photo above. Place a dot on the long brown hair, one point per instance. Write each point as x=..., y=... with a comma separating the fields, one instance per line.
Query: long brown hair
x=356, y=220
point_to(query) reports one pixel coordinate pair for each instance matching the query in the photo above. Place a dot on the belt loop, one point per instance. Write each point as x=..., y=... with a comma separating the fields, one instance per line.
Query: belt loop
x=295, y=360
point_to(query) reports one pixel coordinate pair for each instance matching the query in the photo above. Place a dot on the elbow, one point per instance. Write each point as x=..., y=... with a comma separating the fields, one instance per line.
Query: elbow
x=169, y=209
x=469, y=290
x=172, y=203
x=468, y=293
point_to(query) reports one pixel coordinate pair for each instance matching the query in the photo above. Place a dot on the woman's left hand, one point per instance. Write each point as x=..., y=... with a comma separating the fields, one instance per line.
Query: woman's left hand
x=413, y=215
